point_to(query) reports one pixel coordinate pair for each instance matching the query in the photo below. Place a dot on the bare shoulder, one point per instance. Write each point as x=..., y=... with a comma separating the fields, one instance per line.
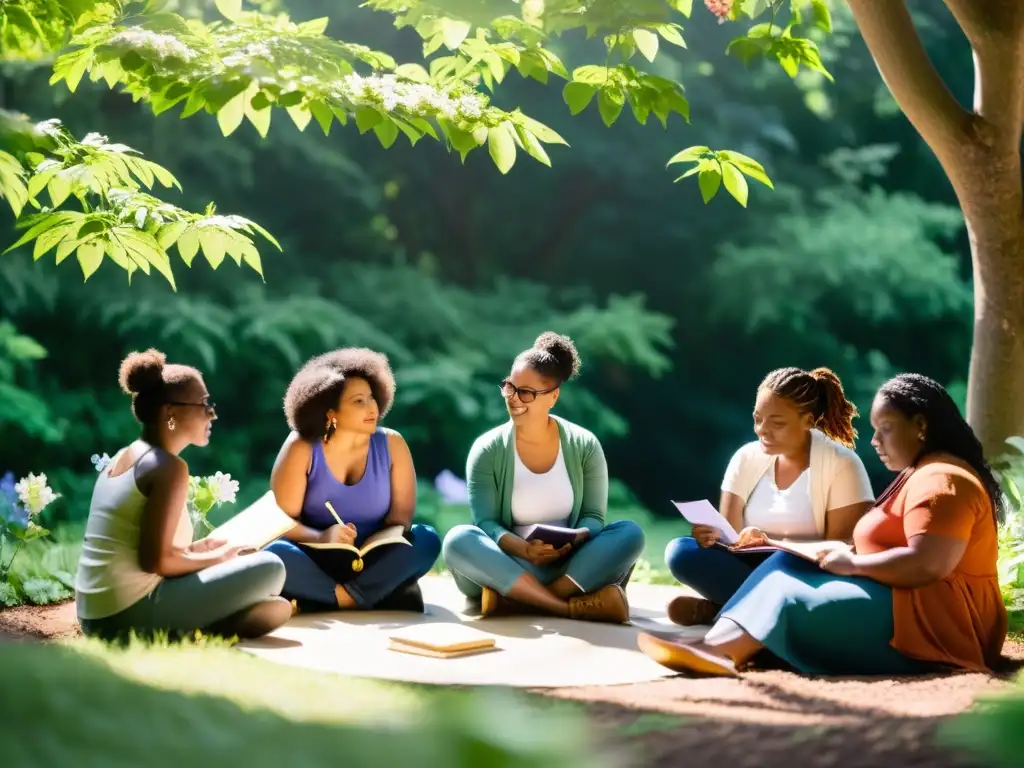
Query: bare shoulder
x=160, y=469
x=395, y=440
x=296, y=448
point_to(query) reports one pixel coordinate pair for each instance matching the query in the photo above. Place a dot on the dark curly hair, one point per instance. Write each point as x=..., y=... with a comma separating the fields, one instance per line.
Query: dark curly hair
x=316, y=387
x=915, y=395
x=152, y=382
x=820, y=393
x=553, y=356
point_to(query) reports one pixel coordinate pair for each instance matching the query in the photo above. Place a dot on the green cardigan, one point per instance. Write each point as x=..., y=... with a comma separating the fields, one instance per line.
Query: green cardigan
x=490, y=470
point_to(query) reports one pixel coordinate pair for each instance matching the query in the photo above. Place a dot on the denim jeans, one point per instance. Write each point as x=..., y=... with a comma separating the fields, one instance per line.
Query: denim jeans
x=385, y=570
x=714, y=572
x=476, y=561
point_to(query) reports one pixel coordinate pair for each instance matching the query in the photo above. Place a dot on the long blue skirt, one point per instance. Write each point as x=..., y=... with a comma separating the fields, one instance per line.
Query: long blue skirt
x=820, y=623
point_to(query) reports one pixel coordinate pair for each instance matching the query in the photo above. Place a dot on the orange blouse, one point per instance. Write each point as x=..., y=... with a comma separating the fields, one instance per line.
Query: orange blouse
x=960, y=620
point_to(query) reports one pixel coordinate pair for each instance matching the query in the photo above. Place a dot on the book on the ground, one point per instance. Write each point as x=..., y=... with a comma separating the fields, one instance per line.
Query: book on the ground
x=703, y=513
x=555, y=535
x=255, y=526
x=441, y=640
x=393, y=534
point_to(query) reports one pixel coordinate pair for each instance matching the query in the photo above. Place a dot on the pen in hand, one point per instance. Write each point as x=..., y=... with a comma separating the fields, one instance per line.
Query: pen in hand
x=333, y=513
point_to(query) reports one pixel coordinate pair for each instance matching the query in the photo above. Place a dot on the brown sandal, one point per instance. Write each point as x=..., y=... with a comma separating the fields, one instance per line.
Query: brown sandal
x=680, y=657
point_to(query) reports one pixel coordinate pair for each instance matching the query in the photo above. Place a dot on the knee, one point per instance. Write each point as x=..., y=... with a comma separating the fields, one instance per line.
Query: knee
x=459, y=543
x=630, y=535
x=679, y=552
x=267, y=571
x=426, y=544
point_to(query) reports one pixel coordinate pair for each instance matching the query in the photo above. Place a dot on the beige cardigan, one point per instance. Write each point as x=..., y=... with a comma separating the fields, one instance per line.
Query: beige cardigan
x=838, y=477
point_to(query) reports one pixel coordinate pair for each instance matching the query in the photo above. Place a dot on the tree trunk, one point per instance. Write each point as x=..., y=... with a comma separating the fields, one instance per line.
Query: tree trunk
x=980, y=150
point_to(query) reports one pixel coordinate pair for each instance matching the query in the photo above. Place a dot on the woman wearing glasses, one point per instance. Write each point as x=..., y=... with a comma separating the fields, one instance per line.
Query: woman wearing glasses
x=140, y=571
x=541, y=469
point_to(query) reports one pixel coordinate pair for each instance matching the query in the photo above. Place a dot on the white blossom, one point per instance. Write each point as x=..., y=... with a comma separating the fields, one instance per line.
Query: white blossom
x=164, y=46
x=417, y=98
x=100, y=462
x=223, y=488
x=34, y=493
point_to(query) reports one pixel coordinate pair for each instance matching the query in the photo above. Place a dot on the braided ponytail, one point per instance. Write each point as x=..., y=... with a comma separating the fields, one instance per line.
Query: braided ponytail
x=820, y=393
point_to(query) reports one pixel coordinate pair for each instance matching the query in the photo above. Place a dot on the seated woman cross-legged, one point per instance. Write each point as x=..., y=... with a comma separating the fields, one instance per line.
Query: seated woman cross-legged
x=540, y=469
x=918, y=592
x=345, y=478
x=799, y=480
x=140, y=572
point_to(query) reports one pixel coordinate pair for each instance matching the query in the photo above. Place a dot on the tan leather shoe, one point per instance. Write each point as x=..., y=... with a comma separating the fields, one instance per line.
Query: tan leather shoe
x=689, y=611
x=608, y=604
x=680, y=657
x=493, y=603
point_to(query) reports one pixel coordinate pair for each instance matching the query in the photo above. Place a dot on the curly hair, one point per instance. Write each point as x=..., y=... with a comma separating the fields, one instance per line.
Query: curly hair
x=820, y=393
x=316, y=387
x=915, y=395
x=553, y=356
x=152, y=382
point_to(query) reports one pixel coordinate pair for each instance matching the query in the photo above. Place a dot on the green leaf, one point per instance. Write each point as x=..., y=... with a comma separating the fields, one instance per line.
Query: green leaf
x=454, y=32
x=59, y=189
x=213, y=245
x=646, y=43
x=591, y=74
x=735, y=183
x=90, y=256
x=502, y=146
x=541, y=131
x=688, y=155
x=822, y=16
x=533, y=147
x=685, y=7
x=748, y=165
x=300, y=116
x=323, y=115
x=229, y=9
x=578, y=95
x=231, y=114
x=367, y=118
x=260, y=118
x=188, y=245
x=709, y=181
x=670, y=33
x=610, y=103
x=413, y=72
x=386, y=132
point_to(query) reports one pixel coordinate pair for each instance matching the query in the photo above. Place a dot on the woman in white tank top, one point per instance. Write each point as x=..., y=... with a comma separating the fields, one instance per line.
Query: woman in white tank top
x=140, y=571
x=799, y=480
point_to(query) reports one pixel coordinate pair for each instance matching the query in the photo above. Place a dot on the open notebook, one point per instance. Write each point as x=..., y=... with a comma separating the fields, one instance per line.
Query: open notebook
x=255, y=526
x=441, y=640
x=393, y=534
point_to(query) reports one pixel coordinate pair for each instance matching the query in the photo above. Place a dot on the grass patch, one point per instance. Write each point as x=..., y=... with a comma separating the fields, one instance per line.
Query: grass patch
x=85, y=703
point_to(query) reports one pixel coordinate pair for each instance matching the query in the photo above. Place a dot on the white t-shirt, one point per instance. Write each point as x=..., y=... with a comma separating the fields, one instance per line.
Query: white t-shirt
x=786, y=514
x=545, y=498
x=109, y=577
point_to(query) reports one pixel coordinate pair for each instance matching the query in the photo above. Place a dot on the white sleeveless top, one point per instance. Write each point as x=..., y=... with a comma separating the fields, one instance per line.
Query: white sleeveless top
x=109, y=577
x=787, y=513
x=545, y=498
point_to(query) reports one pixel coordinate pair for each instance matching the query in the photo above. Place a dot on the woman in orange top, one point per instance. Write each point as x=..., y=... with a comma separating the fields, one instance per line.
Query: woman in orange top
x=919, y=590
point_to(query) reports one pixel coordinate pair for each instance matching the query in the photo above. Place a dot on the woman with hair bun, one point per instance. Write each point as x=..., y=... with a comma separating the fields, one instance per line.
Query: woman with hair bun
x=541, y=469
x=140, y=571
x=799, y=480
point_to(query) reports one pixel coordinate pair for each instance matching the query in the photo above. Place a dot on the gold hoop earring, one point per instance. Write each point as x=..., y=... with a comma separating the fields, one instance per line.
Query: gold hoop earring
x=171, y=424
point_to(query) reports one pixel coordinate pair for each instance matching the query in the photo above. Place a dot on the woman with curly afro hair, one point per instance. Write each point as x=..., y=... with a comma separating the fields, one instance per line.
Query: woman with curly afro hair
x=800, y=479
x=339, y=461
x=140, y=571
x=918, y=592
x=539, y=469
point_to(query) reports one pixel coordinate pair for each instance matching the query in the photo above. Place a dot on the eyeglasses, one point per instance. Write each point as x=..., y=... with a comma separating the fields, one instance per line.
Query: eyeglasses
x=210, y=407
x=508, y=389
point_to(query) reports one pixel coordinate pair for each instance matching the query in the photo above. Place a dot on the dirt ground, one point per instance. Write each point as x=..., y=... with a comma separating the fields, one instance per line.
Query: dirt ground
x=767, y=719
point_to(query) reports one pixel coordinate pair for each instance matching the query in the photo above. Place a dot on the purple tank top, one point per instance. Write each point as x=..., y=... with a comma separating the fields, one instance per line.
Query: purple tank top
x=364, y=504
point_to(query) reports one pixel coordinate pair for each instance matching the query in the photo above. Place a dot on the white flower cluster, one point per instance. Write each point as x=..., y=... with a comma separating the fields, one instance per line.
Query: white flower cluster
x=100, y=462
x=252, y=51
x=34, y=494
x=223, y=488
x=164, y=46
x=417, y=98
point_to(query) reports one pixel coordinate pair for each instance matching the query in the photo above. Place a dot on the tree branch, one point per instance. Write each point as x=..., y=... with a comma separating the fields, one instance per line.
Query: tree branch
x=918, y=88
x=995, y=30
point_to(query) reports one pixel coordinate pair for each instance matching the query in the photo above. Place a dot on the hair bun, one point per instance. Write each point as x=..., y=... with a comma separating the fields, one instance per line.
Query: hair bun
x=142, y=371
x=563, y=350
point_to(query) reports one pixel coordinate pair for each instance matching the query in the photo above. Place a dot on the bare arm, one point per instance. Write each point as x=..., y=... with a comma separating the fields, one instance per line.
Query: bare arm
x=165, y=479
x=288, y=482
x=403, y=483
x=926, y=559
x=731, y=508
x=840, y=522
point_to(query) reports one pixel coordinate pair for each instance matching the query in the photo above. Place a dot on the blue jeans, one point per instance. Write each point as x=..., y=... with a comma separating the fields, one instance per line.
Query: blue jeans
x=714, y=572
x=385, y=570
x=476, y=561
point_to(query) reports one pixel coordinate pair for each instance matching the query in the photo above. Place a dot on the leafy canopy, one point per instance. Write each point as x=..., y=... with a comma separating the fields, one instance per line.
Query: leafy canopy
x=247, y=65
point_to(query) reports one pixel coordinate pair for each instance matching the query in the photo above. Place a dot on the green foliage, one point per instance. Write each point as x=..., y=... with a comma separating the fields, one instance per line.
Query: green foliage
x=712, y=168
x=991, y=729
x=117, y=219
x=1010, y=469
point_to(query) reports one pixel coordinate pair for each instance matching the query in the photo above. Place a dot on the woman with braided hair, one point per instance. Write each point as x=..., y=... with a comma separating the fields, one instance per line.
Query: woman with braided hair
x=918, y=592
x=799, y=480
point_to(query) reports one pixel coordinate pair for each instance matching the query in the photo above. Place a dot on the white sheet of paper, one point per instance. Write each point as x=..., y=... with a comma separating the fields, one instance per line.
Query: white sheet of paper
x=702, y=513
